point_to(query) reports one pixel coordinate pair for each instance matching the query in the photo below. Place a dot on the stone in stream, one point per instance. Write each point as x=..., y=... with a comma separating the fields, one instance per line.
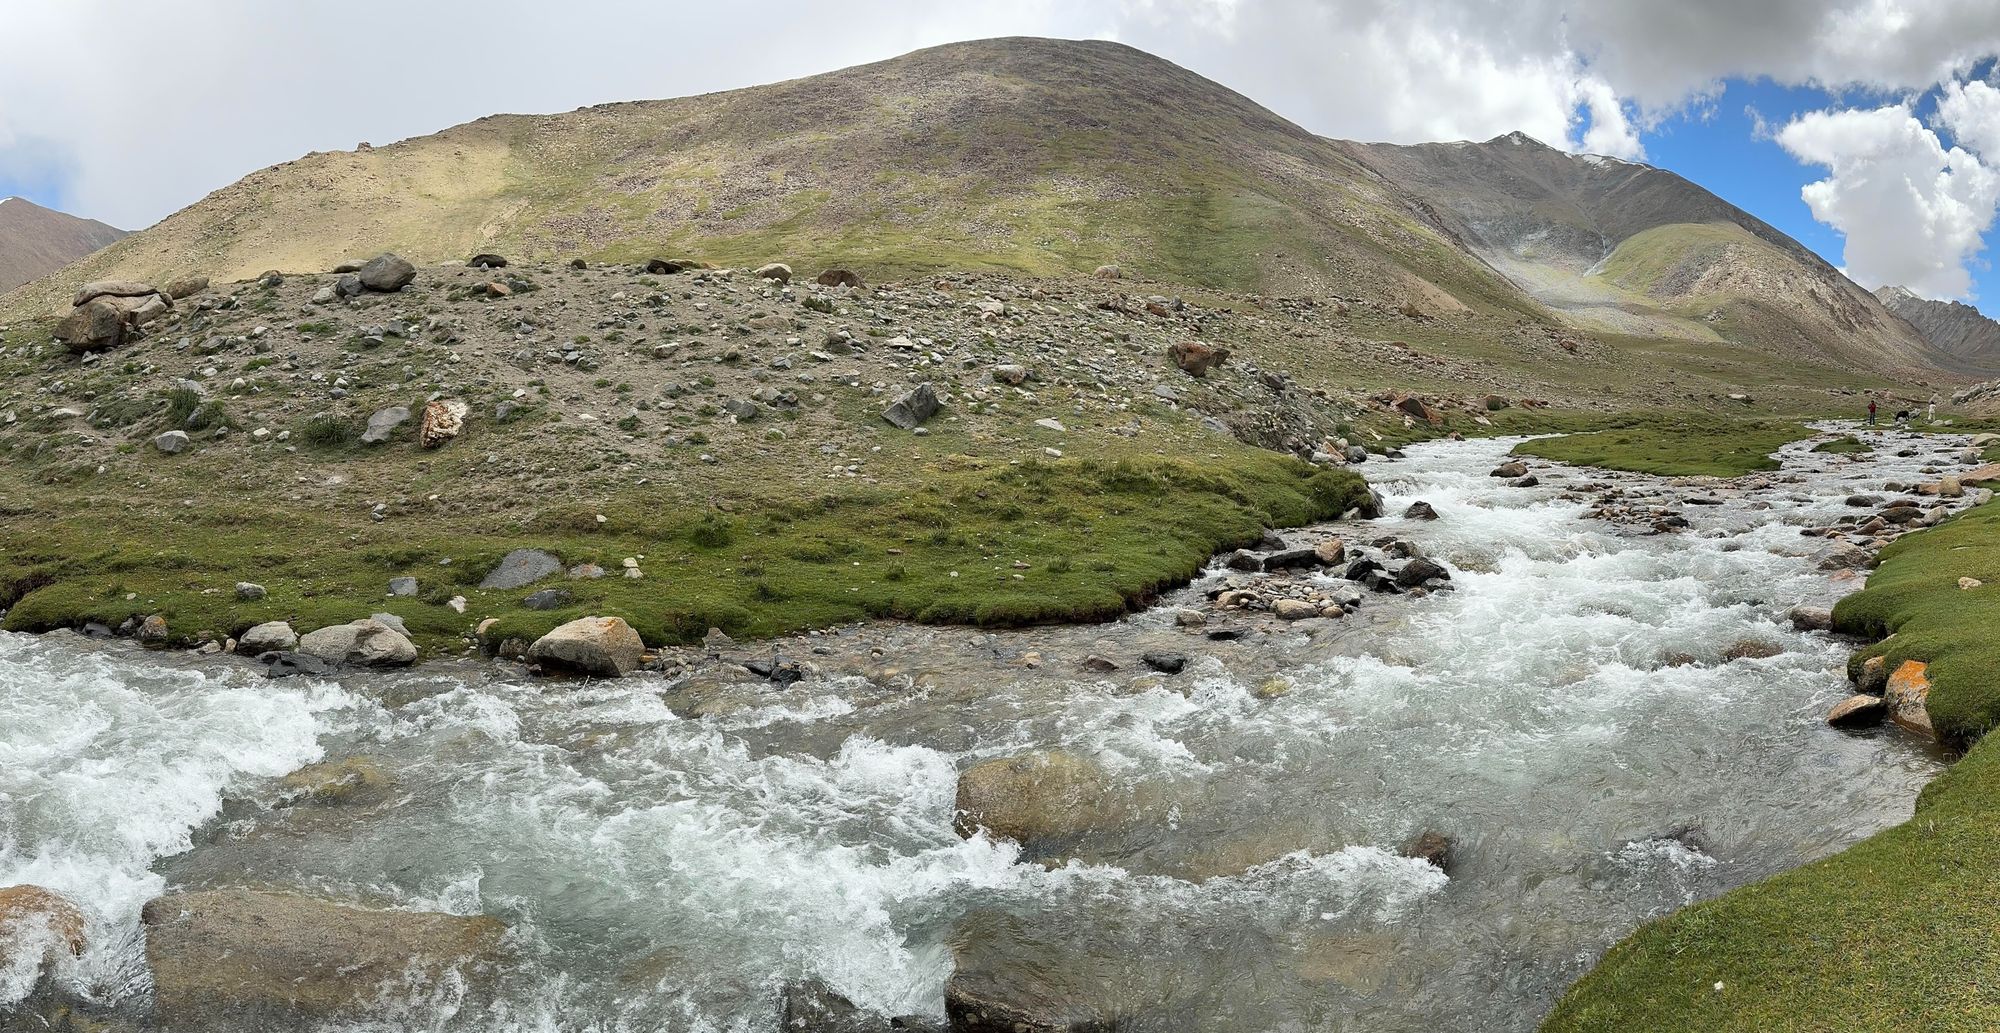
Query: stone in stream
x=1812, y=618
x=1858, y=711
x=1289, y=559
x=1419, y=571
x=258, y=959
x=354, y=781
x=606, y=647
x=1164, y=662
x=1331, y=552
x=1512, y=468
x=521, y=568
x=1032, y=797
x=362, y=643
x=1420, y=510
x=38, y=920
x=1843, y=556
x=814, y=1007
x=1432, y=848
x=1293, y=610
x=1906, y=696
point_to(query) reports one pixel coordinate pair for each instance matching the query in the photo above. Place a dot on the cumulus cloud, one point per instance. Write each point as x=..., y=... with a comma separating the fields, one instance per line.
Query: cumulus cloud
x=1913, y=210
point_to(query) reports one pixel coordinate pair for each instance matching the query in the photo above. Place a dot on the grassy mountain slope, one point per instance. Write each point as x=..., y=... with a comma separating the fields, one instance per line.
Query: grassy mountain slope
x=36, y=241
x=1033, y=156
x=1623, y=247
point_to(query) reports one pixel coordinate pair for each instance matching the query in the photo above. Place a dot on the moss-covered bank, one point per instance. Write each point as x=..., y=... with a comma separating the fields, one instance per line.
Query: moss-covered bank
x=1899, y=932
x=1675, y=446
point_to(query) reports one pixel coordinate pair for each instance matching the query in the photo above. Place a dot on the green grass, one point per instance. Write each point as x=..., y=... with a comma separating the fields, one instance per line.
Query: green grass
x=1670, y=447
x=1899, y=932
x=1097, y=537
x=1843, y=446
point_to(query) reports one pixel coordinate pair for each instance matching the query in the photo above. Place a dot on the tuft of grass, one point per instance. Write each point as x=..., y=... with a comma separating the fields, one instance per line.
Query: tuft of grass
x=1848, y=445
x=1699, y=446
x=329, y=431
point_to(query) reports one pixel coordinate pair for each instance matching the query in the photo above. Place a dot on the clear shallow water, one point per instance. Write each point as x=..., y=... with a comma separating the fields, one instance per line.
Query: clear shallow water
x=671, y=854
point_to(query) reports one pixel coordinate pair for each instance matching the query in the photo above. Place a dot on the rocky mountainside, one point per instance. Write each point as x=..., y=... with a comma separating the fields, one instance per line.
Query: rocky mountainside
x=1956, y=328
x=36, y=241
x=1624, y=247
x=1043, y=158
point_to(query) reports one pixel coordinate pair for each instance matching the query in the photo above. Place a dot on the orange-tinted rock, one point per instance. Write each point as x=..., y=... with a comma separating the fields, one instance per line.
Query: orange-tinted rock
x=1908, y=692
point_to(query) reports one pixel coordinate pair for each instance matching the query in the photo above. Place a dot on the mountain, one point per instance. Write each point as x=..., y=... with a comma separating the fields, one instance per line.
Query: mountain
x=1956, y=328
x=1623, y=247
x=1045, y=158
x=36, y=241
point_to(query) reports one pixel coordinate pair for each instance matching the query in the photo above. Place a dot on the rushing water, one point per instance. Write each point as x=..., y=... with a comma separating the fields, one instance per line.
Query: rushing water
x=670, y=855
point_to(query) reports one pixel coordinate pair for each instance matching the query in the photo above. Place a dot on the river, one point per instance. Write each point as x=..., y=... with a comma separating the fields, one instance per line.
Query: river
x=670, y=854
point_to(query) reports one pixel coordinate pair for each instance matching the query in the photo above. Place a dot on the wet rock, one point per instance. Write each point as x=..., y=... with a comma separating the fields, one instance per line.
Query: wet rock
x=240, y=958
x=1906, y=696
x=1529, y=481
x=1432, y=848
x=1164, y=662
x=1751, y=649
x=153, y=630
x=1420, y=510
x=1843, y=556
x=1873, y=676
x=386, y=273
x=1244, y=560
x=1097, y=664
x=362, y=643
x=1421, y=570
x=1512, y=468
x=521, y=568
x=353, y=781
x=1030, y=798
x=1291, y=559
x=1812, y=618
x=1858, y=711
x=814, y=1007
x=1331, y=552
x=606, y=647
x=1190, y=618
x=1293, y=610
x=909, y=411
x=39, y=923
x=280, y=664
x=269, y=637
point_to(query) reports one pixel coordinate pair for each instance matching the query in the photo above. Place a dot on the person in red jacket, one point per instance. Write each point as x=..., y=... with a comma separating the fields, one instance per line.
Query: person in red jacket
x=1871, y=412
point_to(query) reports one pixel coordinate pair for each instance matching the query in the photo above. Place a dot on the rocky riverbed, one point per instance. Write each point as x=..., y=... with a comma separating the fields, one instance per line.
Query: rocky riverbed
x=1405, y=802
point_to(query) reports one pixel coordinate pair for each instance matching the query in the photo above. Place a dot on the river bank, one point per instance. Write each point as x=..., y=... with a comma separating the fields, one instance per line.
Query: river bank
x=1609, y=715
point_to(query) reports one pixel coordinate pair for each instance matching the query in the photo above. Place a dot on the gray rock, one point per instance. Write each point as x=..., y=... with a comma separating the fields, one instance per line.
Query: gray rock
x=1420, y=570
x=548, y=599
x=387, y=272
x=394, y=622
x=915, y=406
x=1812, y=618
x=402, y=586
x=95, y=326
x=172, y=442
x=111, y=289
x=384, y=423
x=348, y=286
x=364, y=643
x=743, y=409
x=778, y=271
x=521, y=568
x=272, y=637
x=249, y=592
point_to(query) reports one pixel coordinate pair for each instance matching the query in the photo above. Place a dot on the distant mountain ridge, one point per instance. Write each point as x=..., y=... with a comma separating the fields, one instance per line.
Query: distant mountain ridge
x=36, y=241
x=1046, y=158
x=1954, y=327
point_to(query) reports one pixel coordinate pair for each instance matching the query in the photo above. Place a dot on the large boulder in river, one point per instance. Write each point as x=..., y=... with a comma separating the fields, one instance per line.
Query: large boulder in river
x=1035, y=796
x=387, y=273
x=40, y=921
x=1843, y=556
x=251, y=959
x=363, y=643
x=603, y=646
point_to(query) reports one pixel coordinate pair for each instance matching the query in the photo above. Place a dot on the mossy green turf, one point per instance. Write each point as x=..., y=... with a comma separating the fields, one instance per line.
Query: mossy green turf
x=1900, y=932
x=1094, y=537
x=1843, y=446
x=1675, y=447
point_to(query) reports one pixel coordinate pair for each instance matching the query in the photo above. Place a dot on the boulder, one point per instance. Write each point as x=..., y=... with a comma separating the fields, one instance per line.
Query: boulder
x=655, y=266
x=1293, y=610
x=269, y=637
x=1164, y=662
x=1416, y=407
x=443, y=419
x=1331, y=551
x=363, y=643
x=548, y=599
x=186, y=287
x=1812, y=618
x=40, y=921
x=1843, y=556
x=112, y=289
x=909, y=411
x=1857, y=711
x=521, y=568
x=486, y=261
x=255, y=959
x=1432, y=848
x=839, y=278
x=1906, y=694
x=1419, y=571
x=1511, y=468
x=94, y=326
x=1494, y=403
x=173, y=442
x=778, y=271
x=1291, y=559
x=249, y=592
x=1109, y=272
x=348, y=286
x=352, y=781
x=1420, y=510
x=1031, y=798
x=603, y=646
x=384, y=423
x=1195, y=358
x=1950, y=487
x=387, y=273
x=153, y=630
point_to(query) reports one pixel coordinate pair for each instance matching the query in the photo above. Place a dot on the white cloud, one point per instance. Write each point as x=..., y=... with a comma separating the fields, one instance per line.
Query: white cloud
x=1971, y=112
x=1913, y=211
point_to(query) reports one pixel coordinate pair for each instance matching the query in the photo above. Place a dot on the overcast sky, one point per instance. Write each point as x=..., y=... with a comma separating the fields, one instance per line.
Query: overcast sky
x=1863, y=122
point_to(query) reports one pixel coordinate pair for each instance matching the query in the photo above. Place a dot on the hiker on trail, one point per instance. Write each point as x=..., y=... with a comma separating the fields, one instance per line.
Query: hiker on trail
x=1871, y=412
